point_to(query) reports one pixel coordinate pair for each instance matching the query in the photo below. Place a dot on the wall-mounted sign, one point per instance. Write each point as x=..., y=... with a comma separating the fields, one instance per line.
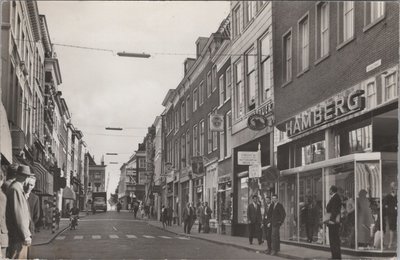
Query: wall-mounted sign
x=257, y=122
x=255, y=170
x=197, y=165
x=217, y=123
x=373, y=66
x=325, y=112
x=248, y=158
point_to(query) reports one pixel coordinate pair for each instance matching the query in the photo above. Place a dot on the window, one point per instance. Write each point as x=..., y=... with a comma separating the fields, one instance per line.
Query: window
x=322, y=29
x=183, y=150
x=183, y=114
x=222, y=142
x=195, y=99
x=374, y=10
x=221, y=86
x=260, y=4
x=348, y=20
x=195, y=141
x=265, y=67
x=142, y=163
x=360, y=140
x=201, y=147
x=287, y=54
x=236, y=21
x=177, y=153
x=370, y=91
x=239, y=89
x=228, y=79
x=228, y=134
x=177, y=119
x=209, y=134
x=187, y=107
x=187, y=147
x=208, y=84
x=250, y=79
x=214, y=78
x=390, y=87
x=304, y=44
x=249, y=11
x=201, y=93
x=214, y=135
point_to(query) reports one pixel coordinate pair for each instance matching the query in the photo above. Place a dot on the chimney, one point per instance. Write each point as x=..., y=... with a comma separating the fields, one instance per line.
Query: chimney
x=200, y=44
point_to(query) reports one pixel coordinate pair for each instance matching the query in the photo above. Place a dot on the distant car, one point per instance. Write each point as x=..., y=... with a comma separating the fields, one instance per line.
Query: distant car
x=99, y=201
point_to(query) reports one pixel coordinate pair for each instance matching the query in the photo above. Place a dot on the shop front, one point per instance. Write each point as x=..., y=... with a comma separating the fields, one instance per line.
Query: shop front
x=353, y=148
x=210, y=189
x=225, y=202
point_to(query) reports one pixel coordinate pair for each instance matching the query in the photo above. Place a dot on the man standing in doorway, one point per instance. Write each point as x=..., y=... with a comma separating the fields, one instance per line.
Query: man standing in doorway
x=333, y=209
x=254, y=218
x=267, y=223
x=18, y=216
x=277, y=214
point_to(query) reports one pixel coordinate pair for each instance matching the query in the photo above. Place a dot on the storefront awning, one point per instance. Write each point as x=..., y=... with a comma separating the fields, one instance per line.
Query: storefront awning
x=68, y=194
x=44, y=180
x=5, y=136
x=269, y=173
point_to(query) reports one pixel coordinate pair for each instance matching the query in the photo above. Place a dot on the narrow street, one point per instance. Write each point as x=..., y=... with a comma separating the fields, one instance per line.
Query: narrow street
x=115, y=235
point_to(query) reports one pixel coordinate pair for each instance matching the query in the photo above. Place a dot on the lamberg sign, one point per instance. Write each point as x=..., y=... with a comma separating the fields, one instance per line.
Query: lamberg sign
x=325, y=112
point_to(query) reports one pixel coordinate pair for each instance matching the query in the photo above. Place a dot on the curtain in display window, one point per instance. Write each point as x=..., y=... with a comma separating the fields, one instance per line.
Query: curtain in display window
x=368, y=178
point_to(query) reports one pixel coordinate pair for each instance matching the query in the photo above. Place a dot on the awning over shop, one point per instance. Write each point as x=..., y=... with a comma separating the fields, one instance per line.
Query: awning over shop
x=269, y=173
x=44, y=180
x=5, y=137
x=68, y=194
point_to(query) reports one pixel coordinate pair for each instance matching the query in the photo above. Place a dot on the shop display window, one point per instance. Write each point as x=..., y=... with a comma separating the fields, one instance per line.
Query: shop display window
x=342, y=176
x=360, y=140
x=310, y=206
x=310, y=150
x=288, y=197
x=389, y=208
x=243, y=200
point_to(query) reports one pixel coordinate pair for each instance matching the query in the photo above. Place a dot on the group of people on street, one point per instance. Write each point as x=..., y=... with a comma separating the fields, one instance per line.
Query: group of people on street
x=202, y=213
x=166, y=216
x=19, y=211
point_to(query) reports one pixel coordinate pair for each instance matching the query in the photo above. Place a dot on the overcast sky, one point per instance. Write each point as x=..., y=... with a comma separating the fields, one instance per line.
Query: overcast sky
x=102, y=89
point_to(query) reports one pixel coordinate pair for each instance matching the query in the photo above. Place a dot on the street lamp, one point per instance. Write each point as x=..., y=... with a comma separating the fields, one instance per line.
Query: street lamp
x=133, y=55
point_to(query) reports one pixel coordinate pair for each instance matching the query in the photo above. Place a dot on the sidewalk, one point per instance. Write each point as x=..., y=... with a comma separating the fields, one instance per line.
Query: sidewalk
x=45, y=236
x=287, y=251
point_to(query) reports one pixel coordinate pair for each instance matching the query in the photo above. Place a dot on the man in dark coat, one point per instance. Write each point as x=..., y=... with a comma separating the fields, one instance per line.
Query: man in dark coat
x=187, y=217
x=33, y=202
x=3, y=225
x=277, y=214
x=267, y=224
x=207, y=216
x=254, y=219
x=333, y=208
x=18, y=216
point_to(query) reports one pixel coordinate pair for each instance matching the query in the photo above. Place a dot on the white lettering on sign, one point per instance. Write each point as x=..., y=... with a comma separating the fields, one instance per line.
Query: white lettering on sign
x=374, y=65
x=247, y=158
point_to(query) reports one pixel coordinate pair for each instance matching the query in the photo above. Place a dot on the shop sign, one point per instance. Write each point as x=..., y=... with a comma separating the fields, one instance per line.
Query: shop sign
x=199, y=189
x=257, y=122
x=217, y=123
x=325, y=112
x=255, y=170
x=197, y=165
x=265, y=110
x=247, y=158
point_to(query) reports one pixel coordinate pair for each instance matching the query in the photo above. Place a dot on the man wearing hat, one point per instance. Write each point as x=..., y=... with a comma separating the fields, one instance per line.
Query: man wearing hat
x=18, y=216
x=11, y=175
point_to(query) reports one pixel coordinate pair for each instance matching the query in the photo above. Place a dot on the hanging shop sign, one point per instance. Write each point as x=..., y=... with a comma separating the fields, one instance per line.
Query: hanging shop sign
x=217, y=123
x=247, y=158
x=257, y=122
x=255, y=170
x=335, y=108
x=197, y=165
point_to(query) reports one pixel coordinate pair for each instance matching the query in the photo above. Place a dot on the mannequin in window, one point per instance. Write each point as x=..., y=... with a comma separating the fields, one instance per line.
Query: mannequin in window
x=364, y=219
x=390, y=209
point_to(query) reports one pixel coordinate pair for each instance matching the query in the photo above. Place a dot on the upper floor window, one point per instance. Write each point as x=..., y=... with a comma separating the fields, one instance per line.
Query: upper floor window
x=214, y=78
x=348, y=20
x=214, y=135
x=304, y=43
x=201, y=145
x=221, y=86
x=322, y=30
x=195, y=141
x=187, y=107
x=228, y=82
x=195, y=99
x=208, y=84
x=375, y=10
x=183, y=113
x=183, y=150
x=239, y=89
x=265, y=68
x=390, y=86
x=187, y=147
x=236, y=21
x=287, y=54
x=370, y=92
x=209, y=134
x=250, y=79
x=228, y=126
x=249, y=11
x=201, y=93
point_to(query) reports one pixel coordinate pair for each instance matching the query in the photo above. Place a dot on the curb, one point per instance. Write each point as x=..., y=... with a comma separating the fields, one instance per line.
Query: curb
x=227, y=243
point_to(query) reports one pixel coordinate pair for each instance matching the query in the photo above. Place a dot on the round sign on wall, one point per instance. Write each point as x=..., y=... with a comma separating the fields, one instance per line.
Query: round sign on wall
x=257, y=122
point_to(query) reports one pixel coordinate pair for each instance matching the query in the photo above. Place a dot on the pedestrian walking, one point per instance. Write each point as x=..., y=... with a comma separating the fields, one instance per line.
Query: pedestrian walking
x=3, y=224
x=267, y=224
x=170, y=215
x=57, y=216
x=164, y=216
x=18, y=216
x=254, y=219
x=200, y=215
x=332, y=219
x=277, y=214
x=187, y=218
x=88, y=206
x=47, y=215
x=33, y=203
x=207, y=216
x=135, y=209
